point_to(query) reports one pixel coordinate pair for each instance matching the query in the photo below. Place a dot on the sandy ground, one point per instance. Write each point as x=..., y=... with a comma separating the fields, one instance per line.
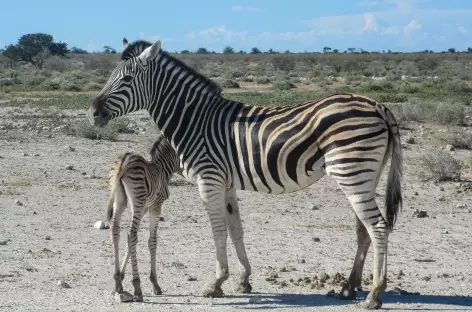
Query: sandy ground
x=50, y=237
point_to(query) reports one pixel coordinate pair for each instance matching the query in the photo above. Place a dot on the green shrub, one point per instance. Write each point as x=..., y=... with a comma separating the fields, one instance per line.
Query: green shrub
x=441, y=165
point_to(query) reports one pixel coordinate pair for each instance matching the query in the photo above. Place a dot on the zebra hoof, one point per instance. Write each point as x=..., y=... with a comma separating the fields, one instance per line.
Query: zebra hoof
x=243, y=288
x=157, y=290
x=371, y=304
x=348, y=293
x=214, y=292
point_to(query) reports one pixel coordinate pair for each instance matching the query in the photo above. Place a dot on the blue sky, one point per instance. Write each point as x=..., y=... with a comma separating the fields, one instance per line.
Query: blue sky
x=398, y=25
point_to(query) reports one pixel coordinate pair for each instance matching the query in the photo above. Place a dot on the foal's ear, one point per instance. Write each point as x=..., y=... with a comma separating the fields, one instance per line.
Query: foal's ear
x=151, y=52
x=125, y=43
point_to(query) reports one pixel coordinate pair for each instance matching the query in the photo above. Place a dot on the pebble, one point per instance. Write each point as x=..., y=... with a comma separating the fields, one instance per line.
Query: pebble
x=426, y=278
x=450, y=148
x=69, y=167
x=191, y=279
x=461, y=206
x=441, y=198
x=47, y=237
x=420, y=214
x=4, y=242
x=25, y=154
x=316, y=239
x=101, y=225
x=161, y=219
x=18, y=202
x=63, y=284
x=123, y=297
x=411, y=140
x=84, y=173
x=70, y=148
x=441, y=189
x=444, y=232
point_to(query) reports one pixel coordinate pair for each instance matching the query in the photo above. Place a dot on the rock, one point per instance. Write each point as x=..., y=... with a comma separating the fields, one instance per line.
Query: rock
x=161, y=219
x=444, y=232
x=47, y=237
x=123, y=297
x=255, y=299
x=302, y=261
x=283, y=269
x=25, y=154
x=416, y=194
x=420, y=214
x=461, y=206
x=450, y=148
x=316, y=239
x=36, y=155
x=18, y=202
x=331, y=293
x=63, y=284
x=191, y=279
x=69, y=167
x=426, y=278
x=283, y=284
x=441, y=198
x=35, y=213
x=441, y=189
x=101, y=225
x=70, y=148
x=4, y=242
x=410, y=140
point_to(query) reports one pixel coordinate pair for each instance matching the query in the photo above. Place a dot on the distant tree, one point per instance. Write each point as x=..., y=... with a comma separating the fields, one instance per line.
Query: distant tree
x=469, y=50
x=326, y=49
x=451, y=50
x=58, y=48
x=242, y=52
x=228, y=50
x=255, y=51
x=335, y=51
x=184, y=52
x=202, y=51
x=271, y=51
x=78, y=50
x=351, y=50
x=34, y=49
x=108, y=49
x=389, y=51
x=287, y=51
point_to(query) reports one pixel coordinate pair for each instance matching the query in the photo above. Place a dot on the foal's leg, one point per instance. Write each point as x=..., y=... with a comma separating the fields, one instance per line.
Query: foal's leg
x=137, y=202
x=236, y=233
x=154, y=214
x=119, y=206
x=355, y=278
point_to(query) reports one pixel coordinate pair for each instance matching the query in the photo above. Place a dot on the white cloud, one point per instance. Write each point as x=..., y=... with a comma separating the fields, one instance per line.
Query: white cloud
x=412, y=27
x=462, y=30
x=402, y=5
x=369, y=23
x=217, y=34
x=368, y=3
x=245, y=9
x=153, y=38
x=93, y=47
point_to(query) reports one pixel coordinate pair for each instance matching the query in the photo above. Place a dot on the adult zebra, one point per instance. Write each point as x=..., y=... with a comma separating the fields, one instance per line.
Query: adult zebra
x=225, y=145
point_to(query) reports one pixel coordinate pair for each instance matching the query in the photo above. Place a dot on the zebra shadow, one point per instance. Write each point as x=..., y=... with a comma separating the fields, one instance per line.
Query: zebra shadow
x=276, y=301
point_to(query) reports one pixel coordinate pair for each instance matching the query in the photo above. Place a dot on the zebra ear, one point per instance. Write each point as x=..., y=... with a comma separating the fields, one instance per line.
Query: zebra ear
x=151, y=52
x=125, y=43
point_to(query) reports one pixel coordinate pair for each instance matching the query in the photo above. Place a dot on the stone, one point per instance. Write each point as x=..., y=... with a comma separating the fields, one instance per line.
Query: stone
x=18, y=202
x=316, y=239
x=101, y=225
x=69, y=167
x=47, y=237
x=123, y=297
x=450, y=148
x=63, y=284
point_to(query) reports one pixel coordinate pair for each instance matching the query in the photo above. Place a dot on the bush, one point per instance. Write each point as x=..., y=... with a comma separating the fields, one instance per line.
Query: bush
x=283, y=63
x=441, y=165
x=228, y=83
x=82, y=128
x=263, y=80
x=458, y=138
x=283, y=85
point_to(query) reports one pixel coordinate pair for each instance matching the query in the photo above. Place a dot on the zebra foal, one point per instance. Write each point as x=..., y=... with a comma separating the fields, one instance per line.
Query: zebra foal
x=144, y=185
x=227, y=145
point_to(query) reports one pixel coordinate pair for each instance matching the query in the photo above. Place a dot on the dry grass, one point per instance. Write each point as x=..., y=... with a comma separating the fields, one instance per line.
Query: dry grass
x=440, y=165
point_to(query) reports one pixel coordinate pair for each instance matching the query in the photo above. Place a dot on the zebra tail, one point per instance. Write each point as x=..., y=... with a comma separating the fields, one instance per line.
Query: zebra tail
x=114, y=178
x=393, y=198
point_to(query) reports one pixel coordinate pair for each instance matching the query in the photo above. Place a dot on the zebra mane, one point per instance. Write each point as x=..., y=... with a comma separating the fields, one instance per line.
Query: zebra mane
x=212, y=86
x=134, y=49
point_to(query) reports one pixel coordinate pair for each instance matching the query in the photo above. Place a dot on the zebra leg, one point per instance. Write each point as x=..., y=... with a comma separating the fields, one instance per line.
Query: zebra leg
x=154, y=214
x=137, y=207
x=369, y=214
x=119, y=206
x=214, y=201
x=237, y=236
x=355, y=278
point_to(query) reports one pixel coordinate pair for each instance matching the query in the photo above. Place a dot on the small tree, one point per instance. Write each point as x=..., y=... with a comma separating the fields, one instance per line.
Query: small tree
x=451, y=50
x=255, y=51
x=202, y=51
x=228, y=50
x=108, y=49
x=184, y=52
x=335, y=51
x=351, y=50
x=78, y=50
x=469, y=50
x=326, y=49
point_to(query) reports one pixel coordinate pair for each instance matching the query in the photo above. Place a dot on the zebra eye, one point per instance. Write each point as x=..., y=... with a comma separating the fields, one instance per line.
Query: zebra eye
x=127, y=78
